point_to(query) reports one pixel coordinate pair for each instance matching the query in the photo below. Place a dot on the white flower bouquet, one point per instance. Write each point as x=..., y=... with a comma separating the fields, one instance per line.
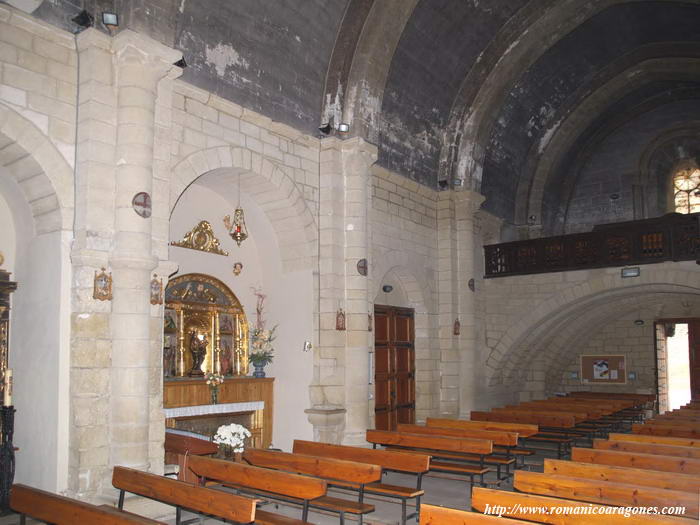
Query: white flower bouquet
x=232, y=435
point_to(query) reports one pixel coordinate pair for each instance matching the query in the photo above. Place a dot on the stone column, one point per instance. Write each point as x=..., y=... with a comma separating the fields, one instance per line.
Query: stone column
x=467, y=203
x=140, y=64
x=357, y=158
x=342, y=369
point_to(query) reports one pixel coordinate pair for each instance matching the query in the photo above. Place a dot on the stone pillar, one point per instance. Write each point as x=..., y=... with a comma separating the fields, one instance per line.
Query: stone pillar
x=91, y=345
x=467, y=203
x=342, y=369
x=357, y=158
x=140, y=64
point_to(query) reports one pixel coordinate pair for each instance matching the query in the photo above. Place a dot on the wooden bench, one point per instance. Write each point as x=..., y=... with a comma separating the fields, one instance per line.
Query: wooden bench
x=607, y=493
x=638, y=476
x=545, y=509
x=675, y=430
x=647, y=448
x=437, y=445
x=283, y=486
x=434, y=515
x=181, y=495
x=662, y=440
x=60, y=510
x=522, y=429
x=404, y=462
x=507, y=441
x=332, y=470
x=178, y=447
x=637, y=460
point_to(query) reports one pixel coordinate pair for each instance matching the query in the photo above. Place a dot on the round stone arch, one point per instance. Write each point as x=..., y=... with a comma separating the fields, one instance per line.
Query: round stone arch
x=271, y=189
x=39, y=169
x=472, y=118
x=537, y=329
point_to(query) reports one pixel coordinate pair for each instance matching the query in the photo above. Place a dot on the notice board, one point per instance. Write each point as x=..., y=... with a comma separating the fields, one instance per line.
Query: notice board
x=610, y=369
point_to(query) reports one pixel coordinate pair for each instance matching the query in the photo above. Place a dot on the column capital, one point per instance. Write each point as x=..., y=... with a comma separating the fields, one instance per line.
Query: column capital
x=355, y=144
x=129, y=46
x=91, y=37
x=468, y=201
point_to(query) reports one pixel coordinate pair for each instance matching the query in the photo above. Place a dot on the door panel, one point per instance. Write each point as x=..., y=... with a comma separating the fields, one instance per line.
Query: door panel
x=394, y=367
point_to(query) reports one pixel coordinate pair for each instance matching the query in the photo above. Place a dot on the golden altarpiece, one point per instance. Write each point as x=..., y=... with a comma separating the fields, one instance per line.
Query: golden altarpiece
x=205, y=331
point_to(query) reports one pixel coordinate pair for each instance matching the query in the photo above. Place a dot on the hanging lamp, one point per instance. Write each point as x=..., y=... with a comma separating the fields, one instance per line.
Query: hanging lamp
x=236, y=227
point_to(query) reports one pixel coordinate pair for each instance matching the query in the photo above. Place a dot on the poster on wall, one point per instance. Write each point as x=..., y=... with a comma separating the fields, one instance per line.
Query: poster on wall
x=603, y=369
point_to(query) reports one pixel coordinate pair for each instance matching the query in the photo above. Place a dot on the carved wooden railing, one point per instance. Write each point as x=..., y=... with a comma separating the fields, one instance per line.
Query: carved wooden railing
x=673, y=237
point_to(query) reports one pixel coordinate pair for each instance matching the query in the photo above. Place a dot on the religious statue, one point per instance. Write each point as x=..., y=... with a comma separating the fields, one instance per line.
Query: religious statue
x=198, y=348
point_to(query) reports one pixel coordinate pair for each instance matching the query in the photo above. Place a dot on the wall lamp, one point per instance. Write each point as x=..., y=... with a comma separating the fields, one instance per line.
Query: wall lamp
x=83, y=19
x=327, y=128
x=387, y=288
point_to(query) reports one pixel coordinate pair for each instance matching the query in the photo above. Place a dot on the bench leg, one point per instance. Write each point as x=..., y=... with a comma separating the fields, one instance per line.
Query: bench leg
x=403, y=511
x=342, y=518
x=120, y=504
x=22, y=519
x=305, y=511
x=419, y=482
x=178, y=515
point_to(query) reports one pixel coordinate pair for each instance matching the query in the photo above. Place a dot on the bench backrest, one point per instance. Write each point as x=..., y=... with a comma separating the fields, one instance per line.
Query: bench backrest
x=182, y=494
x=328, y=468
x=607, y=493
x=400, y=461
x=466, y=445
x=519, y=505
x=545, y=420
x=508, y=439
x=647, y=448
x=60, y=510
x=179, y=444
x=636, y=460
x=274, y=481
x=522, y=429
x=662, y=440
x=544, y=406
x=666, y=430
x=637, y=476
x=537, y=411
x=433, y=515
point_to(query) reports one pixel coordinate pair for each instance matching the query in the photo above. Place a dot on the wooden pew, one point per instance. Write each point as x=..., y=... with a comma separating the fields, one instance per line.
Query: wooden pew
x=60, y=510
x=331, y=470
x=522, y=429
x=434, y=515
x=637, y=460
x=509, y=440
x=607, y=493
x=179, y=447
x=647, y=448
x=666, y=430
x=530, y=418
x=182, y=495
x=637, y=476
x=518, y=505
x=437, y=445
x=405, y=462
x=279, y=485
x=662, y=440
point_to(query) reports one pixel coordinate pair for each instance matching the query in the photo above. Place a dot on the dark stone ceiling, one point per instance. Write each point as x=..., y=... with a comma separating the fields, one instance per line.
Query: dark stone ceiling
x=294, y=60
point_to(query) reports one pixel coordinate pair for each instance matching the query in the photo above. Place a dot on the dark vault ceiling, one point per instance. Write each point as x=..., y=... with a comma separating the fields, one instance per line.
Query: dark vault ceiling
x=505, y=97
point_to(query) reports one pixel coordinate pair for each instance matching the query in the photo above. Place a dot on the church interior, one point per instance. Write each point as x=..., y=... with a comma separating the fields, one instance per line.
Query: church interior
x=463, y=230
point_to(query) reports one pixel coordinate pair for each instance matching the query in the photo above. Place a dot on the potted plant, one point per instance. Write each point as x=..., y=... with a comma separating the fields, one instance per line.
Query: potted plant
x=261, y=350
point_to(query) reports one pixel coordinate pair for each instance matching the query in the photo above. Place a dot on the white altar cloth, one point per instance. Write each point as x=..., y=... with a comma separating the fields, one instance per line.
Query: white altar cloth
x=204, y=410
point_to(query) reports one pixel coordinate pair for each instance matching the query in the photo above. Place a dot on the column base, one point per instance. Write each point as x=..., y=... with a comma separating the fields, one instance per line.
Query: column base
x=328, y=422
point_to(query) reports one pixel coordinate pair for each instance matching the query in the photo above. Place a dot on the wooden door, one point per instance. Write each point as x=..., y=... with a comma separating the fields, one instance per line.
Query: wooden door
x=694, y=357
x=394, y=367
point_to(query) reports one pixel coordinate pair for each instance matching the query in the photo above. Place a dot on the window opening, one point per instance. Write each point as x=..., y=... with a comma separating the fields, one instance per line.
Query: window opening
x=686, y=187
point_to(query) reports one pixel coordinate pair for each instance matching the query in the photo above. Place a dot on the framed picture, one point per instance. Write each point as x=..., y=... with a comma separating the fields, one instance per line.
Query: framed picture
x=610, y=369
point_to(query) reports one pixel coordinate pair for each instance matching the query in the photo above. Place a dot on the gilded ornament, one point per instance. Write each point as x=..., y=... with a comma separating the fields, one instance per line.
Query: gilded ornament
x=102, y=286
x=201, y=238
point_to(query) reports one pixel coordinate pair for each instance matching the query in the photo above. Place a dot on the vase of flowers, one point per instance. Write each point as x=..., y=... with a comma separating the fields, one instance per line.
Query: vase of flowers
x=214, y=381
x=231, y=440
x=261, y=350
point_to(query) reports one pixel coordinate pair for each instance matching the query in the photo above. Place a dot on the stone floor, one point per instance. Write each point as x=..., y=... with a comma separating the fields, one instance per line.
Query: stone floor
x=443, y=490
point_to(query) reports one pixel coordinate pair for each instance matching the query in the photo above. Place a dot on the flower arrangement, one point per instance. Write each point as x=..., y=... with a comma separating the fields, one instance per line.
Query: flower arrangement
x=232, y=435
x=214, y=381
x=261, y=350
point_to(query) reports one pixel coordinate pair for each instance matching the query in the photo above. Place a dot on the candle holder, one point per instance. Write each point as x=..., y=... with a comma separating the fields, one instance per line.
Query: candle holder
x=7, y=456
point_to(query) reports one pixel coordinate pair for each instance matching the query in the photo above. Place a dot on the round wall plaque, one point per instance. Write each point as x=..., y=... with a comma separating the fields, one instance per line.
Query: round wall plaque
x=362, y=267
x=142, y=204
